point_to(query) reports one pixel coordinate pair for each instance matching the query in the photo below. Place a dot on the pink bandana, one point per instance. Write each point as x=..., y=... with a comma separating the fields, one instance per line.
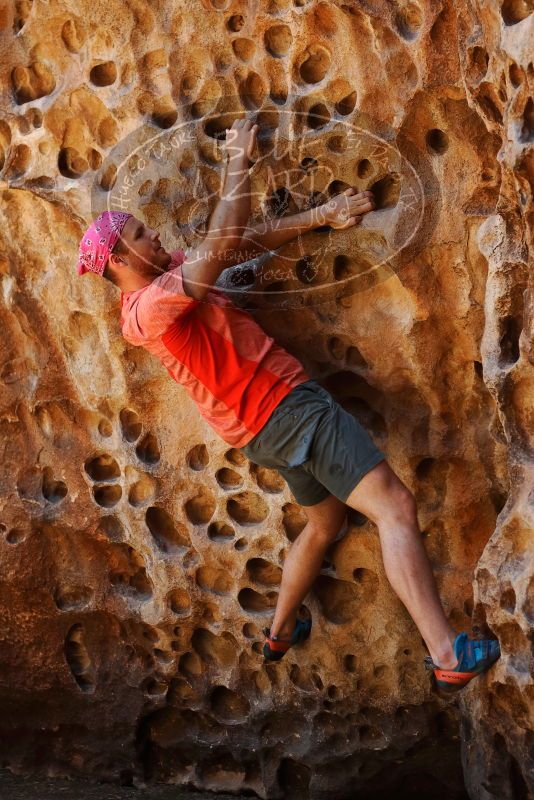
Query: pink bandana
x=99, y=240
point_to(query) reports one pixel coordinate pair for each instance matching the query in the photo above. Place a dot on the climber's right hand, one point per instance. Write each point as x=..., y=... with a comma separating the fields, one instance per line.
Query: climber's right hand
x=240, y=140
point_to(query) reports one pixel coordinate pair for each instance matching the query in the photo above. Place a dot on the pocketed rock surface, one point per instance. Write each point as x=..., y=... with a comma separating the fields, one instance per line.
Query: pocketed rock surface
x=140, y=554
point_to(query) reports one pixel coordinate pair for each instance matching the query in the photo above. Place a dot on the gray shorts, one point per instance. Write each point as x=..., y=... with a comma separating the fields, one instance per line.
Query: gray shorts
x=317, y=446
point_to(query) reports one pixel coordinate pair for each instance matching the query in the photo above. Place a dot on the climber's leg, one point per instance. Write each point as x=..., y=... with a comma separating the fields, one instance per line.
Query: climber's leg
x=387, y=502
x=304, y=559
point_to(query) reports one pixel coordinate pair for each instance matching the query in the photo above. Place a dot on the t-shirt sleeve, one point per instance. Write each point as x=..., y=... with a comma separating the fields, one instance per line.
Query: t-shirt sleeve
x=163, y=301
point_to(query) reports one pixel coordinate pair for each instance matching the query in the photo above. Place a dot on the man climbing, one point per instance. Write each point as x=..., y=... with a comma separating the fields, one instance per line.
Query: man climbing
x=259, y=398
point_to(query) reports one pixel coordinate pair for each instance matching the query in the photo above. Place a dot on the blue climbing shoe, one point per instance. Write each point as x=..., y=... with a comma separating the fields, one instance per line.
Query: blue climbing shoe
x=475, y=656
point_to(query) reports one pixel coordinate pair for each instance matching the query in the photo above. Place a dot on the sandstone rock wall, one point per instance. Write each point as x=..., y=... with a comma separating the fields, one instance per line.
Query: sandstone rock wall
x=140, y=555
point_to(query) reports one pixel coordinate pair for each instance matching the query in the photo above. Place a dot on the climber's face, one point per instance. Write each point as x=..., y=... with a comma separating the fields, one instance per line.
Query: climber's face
x=140, y=250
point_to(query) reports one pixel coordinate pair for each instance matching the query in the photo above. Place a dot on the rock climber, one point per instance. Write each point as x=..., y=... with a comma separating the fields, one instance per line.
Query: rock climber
x=259, y=399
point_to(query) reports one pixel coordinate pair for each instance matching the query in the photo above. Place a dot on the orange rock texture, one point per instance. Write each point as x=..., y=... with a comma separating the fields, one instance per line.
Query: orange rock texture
x=140, y=555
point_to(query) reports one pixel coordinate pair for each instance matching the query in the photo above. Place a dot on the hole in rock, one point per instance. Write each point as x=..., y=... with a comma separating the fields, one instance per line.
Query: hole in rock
x=468, y=607
x=437, y=141
x=256, y=603
x=147, y=450
x=336, y=187
x=367, y=579
x=181, y=693
x=263, y=572
x=200, y=508
x=386, y=191
x=337, y=143
x=169, y=535
x=133, y=575
x=315, y=65
x=278, y=40
x=514, y=11
x=112, y=528
x=20, y=160
x=498, y=500
x=102, y=468
x=229, y=706
x=317, y=681
x=294, y=519
x=280, y=202
x=309, y=164
x=69, y=599
x=345, y=267
x=318, y=116
x=235, y=456
x=130, y=424
x=78, y=659
x=408, y=20
x=179, y=601
x=52, y=490
x=153, y=688
x=253, y=91
x=164, y=115
x=478, y=62
x=364, y=168
x=424, y=468
x=15, y=536
x=31, y=83
x=527, y=130
x=508, y=600
x=228, y=478
x=103, y=74
x=247, y=508
x=190, y=665
x=216, y=127
x=220, y=531
x=107, y=496
x=306, y=270
x=216, y=581
x=251, y=631
x=347, y=104
x=510, y=330
x=350, y=663
x=70, y=163
x=108, y=177
x=516, y=75
x=198, y=458
x=340, y=601
x=235, y=22
x=244, y=49
x=220, y=650
x=142, y=491
x=269, y=480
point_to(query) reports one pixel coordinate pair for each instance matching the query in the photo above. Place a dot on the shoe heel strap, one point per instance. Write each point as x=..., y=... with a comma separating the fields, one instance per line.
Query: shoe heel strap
x=278, y=646
x=453, y=677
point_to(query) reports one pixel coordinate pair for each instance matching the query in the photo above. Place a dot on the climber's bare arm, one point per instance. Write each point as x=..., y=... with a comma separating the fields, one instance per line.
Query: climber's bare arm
x=229, y=218
x=340, y=212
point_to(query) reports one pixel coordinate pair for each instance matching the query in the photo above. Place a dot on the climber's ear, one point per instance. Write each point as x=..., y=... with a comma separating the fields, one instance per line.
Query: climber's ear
x=118, y=260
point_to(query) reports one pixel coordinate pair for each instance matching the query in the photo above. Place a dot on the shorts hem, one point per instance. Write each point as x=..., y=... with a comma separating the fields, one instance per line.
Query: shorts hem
x=368, y=465
x=314, y=501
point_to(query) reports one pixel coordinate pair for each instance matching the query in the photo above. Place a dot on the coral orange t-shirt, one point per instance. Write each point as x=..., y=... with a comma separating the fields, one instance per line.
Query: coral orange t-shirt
x=230, y=367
